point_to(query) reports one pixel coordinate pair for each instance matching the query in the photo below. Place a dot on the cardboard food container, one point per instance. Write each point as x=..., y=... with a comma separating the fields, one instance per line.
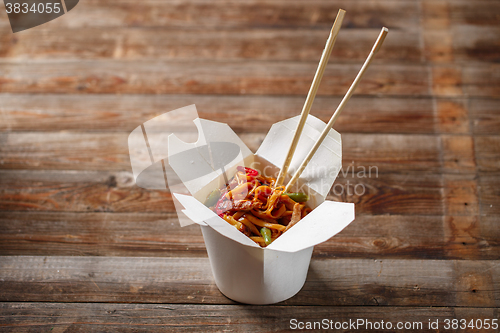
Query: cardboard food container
x=244, y=271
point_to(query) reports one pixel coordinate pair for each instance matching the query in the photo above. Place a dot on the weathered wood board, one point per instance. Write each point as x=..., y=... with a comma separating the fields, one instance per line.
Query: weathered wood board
x=84, y=249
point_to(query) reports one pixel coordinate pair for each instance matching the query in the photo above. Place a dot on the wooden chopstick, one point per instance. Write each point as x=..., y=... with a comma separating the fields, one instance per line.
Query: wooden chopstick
x=312, y=94
x=341, y=106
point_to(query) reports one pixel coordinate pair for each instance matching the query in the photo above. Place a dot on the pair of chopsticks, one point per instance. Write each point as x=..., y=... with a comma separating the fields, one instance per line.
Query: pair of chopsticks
x=312, y=94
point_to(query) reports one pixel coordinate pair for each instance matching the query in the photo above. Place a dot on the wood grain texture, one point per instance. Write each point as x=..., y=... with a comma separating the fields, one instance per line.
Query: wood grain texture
x=453, y=80
x=110, y=113
x=489, y=195
x=229, y=14
x=482, y=82
x=489, y=226
x=71, y=317
x=480, y=13
x=79, y=191
x=75, y=317
x=189, y=280
x=132, y=43
x=485, y=116
x=458, y=31
x=487, y=150
x=249, y=78
x=476, y=44
x=109, y=151
x=461, y=195
x=99, y=234
x=419, y=194
x=84, y=249
x=446, y=24
x=159, y=235
x=458, y=154
x=223, y=77
x=453, y=115
x=460, y=44
x=106, y=191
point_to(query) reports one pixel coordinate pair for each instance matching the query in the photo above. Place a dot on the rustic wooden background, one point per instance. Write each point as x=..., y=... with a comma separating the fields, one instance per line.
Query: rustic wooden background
x=83, y=248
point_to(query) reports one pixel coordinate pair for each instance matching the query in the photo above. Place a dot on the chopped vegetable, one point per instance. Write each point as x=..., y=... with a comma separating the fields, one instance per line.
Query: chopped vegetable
x=297, y=197
x=249, y=171
x=223, y=204
x=255, y=206
x=212, y=198
x=266, y=234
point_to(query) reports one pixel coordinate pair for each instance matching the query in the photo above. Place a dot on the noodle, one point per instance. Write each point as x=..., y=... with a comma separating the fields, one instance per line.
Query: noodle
x=251, y=204
x=250, y=225
x=262, y=223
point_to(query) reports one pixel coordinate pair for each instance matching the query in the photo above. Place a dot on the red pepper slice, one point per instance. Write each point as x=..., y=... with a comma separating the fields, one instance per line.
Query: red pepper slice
x=218, y=206
x=249, y=171
x=223, y=205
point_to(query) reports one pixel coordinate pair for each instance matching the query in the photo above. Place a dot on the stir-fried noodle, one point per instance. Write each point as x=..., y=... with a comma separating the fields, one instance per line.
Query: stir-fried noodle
x=252, y=204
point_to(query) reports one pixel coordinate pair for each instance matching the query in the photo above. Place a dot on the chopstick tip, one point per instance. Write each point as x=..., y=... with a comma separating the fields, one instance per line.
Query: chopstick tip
x=380, y=40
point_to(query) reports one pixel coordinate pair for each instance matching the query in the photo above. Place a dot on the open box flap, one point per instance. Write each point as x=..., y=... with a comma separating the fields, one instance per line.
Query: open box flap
x=199, y=213
x=329, y=218
x=148, y=147
x=325, y=165
x=324, y=222
x=199, y=163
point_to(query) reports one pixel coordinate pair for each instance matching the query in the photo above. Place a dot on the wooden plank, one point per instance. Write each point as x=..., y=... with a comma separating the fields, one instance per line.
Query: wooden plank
x=461, y=195
x=458, y=31
x=487, y=149
x=477, y=43
x=106, y=191
x=462, y=44
x=489, y=231
x=337, y=282
x=485, y=116
x=390, y=152
x=469, y=275
x=482, y=81
x=228, y=14
x=49, y=112
x=410, y=193
x=79, y=191
x=453, y=115
x=250, y=78
x=458, y=154
x=445, y=15
x=72, y=317
x=109, y=151
x=441, y=15
x=159, y=235
x=99, y=234
x=215, y=77
x=461, y=19
x=470, y=237
x=66, y=150
x=489, y=194
x=304, y=45
x=479, y=13
x=414, y=194
x=453, y=80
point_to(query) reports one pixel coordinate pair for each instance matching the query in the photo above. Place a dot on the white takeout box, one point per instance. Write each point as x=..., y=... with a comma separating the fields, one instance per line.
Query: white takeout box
x=243, y=270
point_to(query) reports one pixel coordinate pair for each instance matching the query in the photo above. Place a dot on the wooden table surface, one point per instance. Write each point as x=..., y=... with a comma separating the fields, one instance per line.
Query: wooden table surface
x=83, y=248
